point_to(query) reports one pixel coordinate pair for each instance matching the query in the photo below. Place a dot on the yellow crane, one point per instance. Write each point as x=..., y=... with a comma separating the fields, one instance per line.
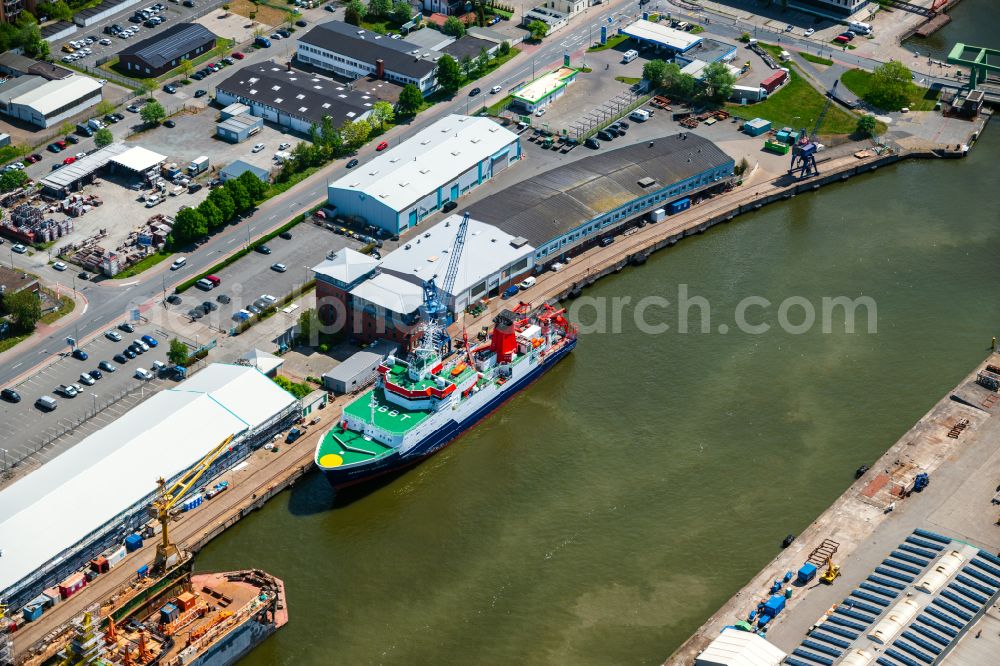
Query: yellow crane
x=167, y=553
x=831, y=573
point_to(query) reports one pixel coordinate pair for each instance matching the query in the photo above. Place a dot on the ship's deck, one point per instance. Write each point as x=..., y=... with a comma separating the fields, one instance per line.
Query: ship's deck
x=388, y=415
x=346, y=447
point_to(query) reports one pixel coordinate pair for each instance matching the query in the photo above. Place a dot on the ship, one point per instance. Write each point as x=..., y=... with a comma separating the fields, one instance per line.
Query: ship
x=419, y=405
x=205, y=619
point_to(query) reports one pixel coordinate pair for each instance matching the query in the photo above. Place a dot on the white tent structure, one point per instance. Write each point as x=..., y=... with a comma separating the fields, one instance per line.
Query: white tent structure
x=739, y=648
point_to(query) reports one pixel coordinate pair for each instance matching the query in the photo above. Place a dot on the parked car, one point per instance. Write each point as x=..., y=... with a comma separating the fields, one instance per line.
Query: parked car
x=510, y=292
x=87, y=379
x=381, y=146
x=121, y=359
x=143, y=374
x=68, y=390
x=19, y=249
x=10, y=395
x=114, y=336
x=526, y=283
x=59, y=266
x=79, y=354
x=293, y=435
x=127, y=327
x=449, y=206
x=287, y=235
x=169, y=124
x=592, y=143
x=141, y=343
x=201, y=92
x=809, y=32
x=132, y=108
x=238, y=55
x=257, y=148
x=150, y=340
x=279, y=268
x=69, y=160
x=171, y=89
x=540, y=112
x=263, y=249
x=128, y=353
x=350, y=165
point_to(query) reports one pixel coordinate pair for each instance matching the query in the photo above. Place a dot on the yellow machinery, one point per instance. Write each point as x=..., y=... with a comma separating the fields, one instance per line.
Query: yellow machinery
x=831, y=573
x=167, y=553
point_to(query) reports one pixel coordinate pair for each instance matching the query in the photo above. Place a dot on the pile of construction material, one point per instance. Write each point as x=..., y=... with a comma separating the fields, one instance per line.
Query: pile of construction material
x=29, y=224
x=76, y=205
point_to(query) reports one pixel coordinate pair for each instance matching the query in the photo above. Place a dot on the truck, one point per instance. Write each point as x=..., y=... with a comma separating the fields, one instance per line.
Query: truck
x=198, y=165
x=153, y=200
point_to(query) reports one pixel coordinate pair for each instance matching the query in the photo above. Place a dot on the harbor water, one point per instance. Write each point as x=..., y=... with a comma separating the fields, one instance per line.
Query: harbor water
x=974, y=22
x=605, y=512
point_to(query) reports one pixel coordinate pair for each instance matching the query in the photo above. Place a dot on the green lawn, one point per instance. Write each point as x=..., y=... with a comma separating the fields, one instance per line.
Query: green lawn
x=773, y=49
x=919, y=99
x=9, y=152
x=798, y=105
x=612, y=42
x=815, y=59
x=697, y=29
x=112, y=65
x=66, y=305
x=142, y=265
x=630, y=80
x=14, y=340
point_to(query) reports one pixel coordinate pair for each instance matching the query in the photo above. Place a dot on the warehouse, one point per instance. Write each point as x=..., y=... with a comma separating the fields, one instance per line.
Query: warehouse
x=95, y=494
x=385, y=306
x=571, y=207
x=237, y=168
x=401, y=186
x=739, y=648
x=356, y=371
x=545, y=89
x=293, y=99
x=43, y=103
x=138, y=161
x=335, y=277
x=491, y=261
x=108, y=8
x=71, y=177
x=237, y=129
x=348, y=51
x=159, y=54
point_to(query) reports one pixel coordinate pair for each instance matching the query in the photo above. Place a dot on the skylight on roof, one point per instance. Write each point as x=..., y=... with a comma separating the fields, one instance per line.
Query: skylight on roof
x=279, y=100
x=276, y=88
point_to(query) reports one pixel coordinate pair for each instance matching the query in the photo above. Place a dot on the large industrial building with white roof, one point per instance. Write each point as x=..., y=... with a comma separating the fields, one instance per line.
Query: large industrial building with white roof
x=400, y=187
x=44, y=103
x=381, y=298
x=54, y=521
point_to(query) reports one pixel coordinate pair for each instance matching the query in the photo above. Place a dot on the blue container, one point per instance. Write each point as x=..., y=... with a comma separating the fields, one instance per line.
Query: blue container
x=142, y=571
x=807, y=572
x=757, y=126
x=133, y=542
x=762, y=622
x=774, y=605
x=32, y=613
x=168, y=614
x=679, y=205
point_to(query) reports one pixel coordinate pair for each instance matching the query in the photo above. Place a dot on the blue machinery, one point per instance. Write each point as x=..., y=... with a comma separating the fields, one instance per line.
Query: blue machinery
x=804, y=151
x=434, y=309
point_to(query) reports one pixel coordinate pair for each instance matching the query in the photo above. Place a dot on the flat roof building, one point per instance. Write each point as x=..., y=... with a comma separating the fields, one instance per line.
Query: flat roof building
x=163, y=52
x=292, y=98
x=404, y=184
x=237, y=168
x=335, y=277
x=353, y=52
x=570, y=207
x=660, y=36
x=357, y=371
x=71, y=177
x=44, y=103
x=93, y=495
x=545, y=89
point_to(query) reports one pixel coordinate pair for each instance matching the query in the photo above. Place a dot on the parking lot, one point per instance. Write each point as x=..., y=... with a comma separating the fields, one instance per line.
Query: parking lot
x=24, y=427
x=248, y=279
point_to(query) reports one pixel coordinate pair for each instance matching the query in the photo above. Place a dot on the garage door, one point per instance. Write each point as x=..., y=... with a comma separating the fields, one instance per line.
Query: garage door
x=499, y=164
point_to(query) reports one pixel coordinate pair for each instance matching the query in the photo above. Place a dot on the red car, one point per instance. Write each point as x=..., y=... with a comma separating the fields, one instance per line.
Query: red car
x=238, y=55
x=69, y=160
x=381, y=146
x=62, y=144
x=840, y=39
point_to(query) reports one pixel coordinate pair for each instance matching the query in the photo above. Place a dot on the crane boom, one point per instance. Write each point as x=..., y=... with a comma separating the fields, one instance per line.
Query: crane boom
x=456, y=255
x=167, y=552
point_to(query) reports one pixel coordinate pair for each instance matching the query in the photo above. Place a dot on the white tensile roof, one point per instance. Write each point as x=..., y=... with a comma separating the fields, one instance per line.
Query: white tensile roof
x=740, y=648
x=54, y=508
x=487, y=250
x=390, y=292
x=139, y=159
x=346, y=266
x=433, y=157
x=654, y=32
x=55, y=94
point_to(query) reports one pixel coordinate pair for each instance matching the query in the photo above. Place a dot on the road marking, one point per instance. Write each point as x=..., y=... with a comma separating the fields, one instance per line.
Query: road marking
x=85, y=306
x=130, y=284
x=17, y=366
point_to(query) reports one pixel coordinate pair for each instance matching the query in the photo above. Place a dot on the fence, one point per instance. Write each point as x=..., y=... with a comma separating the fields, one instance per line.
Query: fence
x=618, y=107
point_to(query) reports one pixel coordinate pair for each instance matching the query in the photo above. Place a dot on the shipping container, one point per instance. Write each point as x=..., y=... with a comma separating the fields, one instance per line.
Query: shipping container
x=771, y=83
x=168, y=614
x=186, y=601
x=133, y=542
x=774, y=605
x=757, y=126
x=53, y=595
x=744, y=94
x=777, y=147
x=679, y=205
x=115, y=555
x=657, y=215
x=100, y=564
x=33, y=612
x=72, y=585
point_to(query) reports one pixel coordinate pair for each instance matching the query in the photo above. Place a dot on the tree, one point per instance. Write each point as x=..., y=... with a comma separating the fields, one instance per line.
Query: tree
x=103, y=137
x=402, y=12
x=153, y=113
x=480, y=15
x=222, y=199
x=178, y=352
x=483, y=61
x=382, y=113
x=355, y=133
x=13, y=179
x=655, y=72
x=189, y=225
x=104, y=107
x=212, y=214
x=149, y=85
x=290, y=20
x=745, y=37
x=718, y=82
x=186, y=66
x=352, y=15
x=867, y=125
x=327, y=136
x=255, y=187
x=466, y=65
x=37, y=48
x=379, y=8
x=24, y=308
x=55, y=10
x=454, y=27
x=238, y=195
x=410, y=100
x=504, y=48
x=308, y=326
x=538, y=30
x=890, y=84
x=449, y=76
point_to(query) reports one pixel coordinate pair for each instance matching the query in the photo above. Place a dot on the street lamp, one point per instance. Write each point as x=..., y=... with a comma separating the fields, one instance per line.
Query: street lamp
x=4, y=459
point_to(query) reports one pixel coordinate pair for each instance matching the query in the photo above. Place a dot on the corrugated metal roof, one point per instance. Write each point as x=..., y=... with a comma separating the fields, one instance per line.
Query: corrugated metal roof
x=661, y=34
x=53, y=95
x=552, y=203
x=176, y=41
x=367, y=47
x=740, y=648
x=66, y=175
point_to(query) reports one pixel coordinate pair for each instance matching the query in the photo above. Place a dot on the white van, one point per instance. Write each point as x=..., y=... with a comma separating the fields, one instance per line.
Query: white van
x=46, y=402
x=526, y=283
x=630, y=55
x=178, y=263
x=860, y=28
x=639, y=115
